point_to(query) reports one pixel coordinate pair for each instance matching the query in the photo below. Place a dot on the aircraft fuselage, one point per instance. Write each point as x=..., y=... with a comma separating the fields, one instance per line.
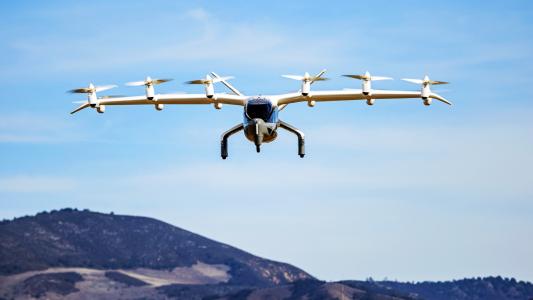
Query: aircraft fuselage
x=260, y=120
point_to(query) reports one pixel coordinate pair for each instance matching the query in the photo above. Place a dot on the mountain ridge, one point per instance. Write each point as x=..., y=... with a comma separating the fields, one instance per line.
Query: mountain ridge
x=73, y=254
x=81, y=238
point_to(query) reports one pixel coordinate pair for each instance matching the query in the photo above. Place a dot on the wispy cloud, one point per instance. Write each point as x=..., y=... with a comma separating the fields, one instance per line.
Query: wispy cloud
x=460, y=158
x=36, y=184
x=384, y=159
x=36, y=128
x=206, y=36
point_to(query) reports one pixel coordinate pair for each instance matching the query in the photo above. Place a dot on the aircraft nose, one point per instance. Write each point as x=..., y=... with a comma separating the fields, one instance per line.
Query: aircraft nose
x=259, y=125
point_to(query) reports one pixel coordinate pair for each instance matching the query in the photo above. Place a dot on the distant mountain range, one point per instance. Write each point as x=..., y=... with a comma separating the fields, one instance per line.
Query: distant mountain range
x=77, y=254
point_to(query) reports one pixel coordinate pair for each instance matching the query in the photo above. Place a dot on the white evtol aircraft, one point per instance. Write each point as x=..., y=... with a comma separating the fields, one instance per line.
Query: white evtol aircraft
x=261, y=119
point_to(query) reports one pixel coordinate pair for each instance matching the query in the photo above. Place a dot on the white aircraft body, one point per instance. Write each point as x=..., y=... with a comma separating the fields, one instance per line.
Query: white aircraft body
x=261, y=113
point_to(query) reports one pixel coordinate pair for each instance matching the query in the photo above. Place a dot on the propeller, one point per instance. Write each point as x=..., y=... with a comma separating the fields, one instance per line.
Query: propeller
x=91, y=89
x=148, y=81
x=149, y=84
x=307, y=80
x=208, y=83
x=209, y=80
x=425, y=81
x=426, y=93
x=367, y=79
x=92, y=100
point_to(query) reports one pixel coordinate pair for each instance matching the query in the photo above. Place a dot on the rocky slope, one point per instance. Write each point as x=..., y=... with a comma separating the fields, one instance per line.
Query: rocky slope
x=72, y=238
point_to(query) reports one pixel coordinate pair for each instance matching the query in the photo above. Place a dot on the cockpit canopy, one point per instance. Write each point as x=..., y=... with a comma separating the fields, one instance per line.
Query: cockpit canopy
x=259, y=108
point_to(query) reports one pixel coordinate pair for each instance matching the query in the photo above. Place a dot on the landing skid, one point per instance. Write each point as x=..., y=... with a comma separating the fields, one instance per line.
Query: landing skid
x=239, y=127
x=224, y=139
x=298, y=133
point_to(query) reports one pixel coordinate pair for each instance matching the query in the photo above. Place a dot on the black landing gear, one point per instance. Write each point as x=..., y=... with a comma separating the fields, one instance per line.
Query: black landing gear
x=239, y=127
x=224, y=139
x=298, y=133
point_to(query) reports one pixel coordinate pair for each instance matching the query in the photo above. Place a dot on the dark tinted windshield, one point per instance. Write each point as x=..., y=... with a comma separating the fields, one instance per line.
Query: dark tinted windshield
x=259, y=110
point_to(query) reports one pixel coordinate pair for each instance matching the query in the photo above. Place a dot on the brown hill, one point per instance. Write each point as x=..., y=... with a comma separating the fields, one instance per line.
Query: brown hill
x=72, y=238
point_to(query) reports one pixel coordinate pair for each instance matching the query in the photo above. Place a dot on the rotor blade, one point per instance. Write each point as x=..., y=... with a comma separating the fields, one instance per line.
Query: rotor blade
x=80, y=91
x=318, y=77
x=321, y=73
x=313, y=79
x=197, y=81
x=415, y=81
x=111, y=96
x=135, y=83
x=295, y=77
x=159, y=81
x=79, y=102
x=219, y=79
x=438, y=82
x=229, y=86
x=83, y=106
x=104, y=88
x=361, y=77
x=380, y=78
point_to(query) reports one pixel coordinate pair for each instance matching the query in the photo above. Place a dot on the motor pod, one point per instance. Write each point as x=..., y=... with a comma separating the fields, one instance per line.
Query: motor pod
x=150, y=91
x=209, y=90
x=425, y=92
x=306, y=87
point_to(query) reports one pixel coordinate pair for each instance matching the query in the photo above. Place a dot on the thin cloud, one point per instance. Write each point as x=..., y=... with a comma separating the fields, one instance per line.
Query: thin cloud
x=209, y=37
x=36, y=128
x=36, y=184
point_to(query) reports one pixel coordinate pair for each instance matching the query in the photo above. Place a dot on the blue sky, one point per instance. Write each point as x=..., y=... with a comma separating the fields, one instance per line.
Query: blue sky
x=396, y=190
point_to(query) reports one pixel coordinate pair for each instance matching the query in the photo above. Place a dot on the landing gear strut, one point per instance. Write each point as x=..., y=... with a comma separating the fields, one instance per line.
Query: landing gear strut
x=299, y=134
x=258, y=138
x=239, y=127
x=224, y=139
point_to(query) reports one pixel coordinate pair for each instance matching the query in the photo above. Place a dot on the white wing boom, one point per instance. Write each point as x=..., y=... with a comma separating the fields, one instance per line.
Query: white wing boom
x=355, y=94
x=177, y=99
x=305, y=94
x=159, y=100
x=167, y=99
x=365, y=93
